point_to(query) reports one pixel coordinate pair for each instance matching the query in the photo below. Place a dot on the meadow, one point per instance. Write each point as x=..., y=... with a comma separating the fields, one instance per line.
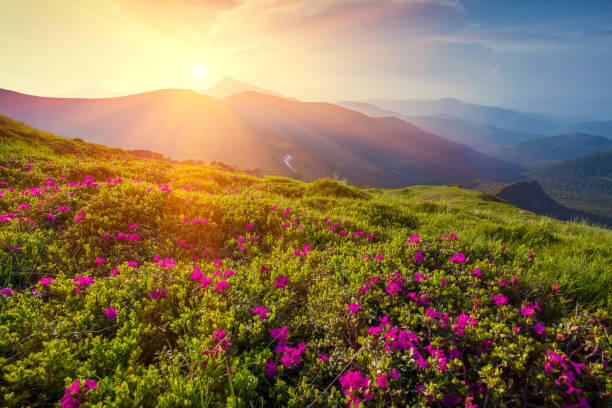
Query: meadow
x=132, y=282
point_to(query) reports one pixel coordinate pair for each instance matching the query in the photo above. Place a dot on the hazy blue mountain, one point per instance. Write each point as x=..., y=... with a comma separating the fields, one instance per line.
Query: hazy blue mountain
x=602, y=128
x=477, y=136
x=510, y=119
x=548, y=150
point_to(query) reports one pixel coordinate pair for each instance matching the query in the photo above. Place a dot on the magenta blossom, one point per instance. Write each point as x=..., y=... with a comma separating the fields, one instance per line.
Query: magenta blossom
x=281, y=336
x=99, y=261
x=46, y=281
x=418, y=257
x=500, y=300
x=75, y=394
x=156, y=294
x=353, y=307
x=292, y=356
x=530, y=308
x=222, y=286
x=111, y=313
x=353, y=383
x=381, y=381
x=414, y=239
x=539, y=328
x=270, y=368
x=262, y=312
x=281, y=282
x=82, y=282
x=6, y=291
x=458, y=258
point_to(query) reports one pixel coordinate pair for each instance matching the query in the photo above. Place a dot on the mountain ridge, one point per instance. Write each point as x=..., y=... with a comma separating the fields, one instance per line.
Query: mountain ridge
x=322, y=138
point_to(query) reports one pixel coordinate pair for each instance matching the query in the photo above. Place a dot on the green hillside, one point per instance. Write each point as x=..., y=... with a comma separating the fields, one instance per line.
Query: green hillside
x=134, y=282
x=583, y=183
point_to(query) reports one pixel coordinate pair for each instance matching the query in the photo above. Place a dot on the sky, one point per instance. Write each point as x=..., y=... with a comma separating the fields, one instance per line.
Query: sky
x=550, y=56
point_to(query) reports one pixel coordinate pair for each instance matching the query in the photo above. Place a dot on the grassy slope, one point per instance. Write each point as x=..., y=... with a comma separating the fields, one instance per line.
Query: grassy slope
x=158, y=351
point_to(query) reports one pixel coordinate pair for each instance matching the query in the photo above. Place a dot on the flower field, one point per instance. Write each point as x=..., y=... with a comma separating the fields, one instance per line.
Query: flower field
x=130, y=282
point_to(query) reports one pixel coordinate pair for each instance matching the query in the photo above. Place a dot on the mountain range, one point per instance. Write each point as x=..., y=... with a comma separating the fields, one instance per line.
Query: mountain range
x=255, y=130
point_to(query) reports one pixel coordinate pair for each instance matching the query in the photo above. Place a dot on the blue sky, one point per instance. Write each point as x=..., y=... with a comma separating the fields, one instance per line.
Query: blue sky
x=542, y=56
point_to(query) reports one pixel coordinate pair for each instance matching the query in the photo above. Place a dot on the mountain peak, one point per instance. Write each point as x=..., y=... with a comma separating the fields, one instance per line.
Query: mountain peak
x=228, y=85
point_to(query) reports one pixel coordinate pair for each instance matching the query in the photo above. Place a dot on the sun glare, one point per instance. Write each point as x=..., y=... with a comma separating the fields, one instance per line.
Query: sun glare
x=199, y=71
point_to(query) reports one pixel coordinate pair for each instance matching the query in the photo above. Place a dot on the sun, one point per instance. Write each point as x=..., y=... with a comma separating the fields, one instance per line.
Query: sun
x=199, y=71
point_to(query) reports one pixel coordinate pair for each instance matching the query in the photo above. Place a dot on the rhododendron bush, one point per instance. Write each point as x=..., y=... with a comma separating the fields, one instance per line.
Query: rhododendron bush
x=128, y=282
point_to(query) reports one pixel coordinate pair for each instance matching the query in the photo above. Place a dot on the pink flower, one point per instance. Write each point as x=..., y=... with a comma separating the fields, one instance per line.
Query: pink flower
x=500, y=300
x=222, y=286
x=322, y=357
x=353, y=307
x=115, y=272
x=281, y=282
x=111, y=313
x=262, y=312
x=379, y=256
x=197, y=274
x=82, y=282
x=74, y=395
x=221, y=340
x=419, y=277
x=414, y=239
x=516, y=329
x=381, y=381
x=132, y=264
x=7, y=292
x=133, y=226
x=270, y=368
x=46, y=281
x=99, y=261
x=157, y=294
x=292, y=356
x=476, y=272
x=281, y=336
x=530, y=308
x=166, y=263
x=418, y=257
x=458, y=258
x=539, y=328
x=353, y=383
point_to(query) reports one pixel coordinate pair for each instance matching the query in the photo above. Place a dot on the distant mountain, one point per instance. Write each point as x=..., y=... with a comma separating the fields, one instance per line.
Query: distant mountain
x=343, y=135
x=548, y=150
x=529, y=196
x=602, y=128
x=95, y=92
x=230, y=86
x=477, y=136
x=257, y=131
x=584, y=183
x=510, y=119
